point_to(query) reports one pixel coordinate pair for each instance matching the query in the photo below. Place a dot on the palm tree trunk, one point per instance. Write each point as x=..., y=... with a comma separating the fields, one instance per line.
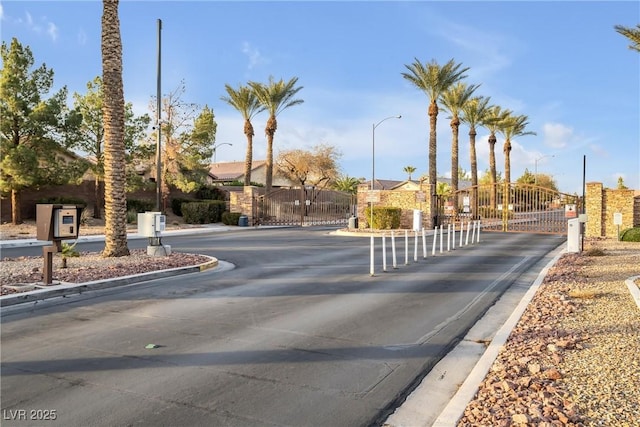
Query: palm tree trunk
x=455, y=126
x=474, y=173
x=492, y=171
x=433, y=174
x=272, y=125
x=507, y=160
x=113, y=116
x=16, y=215
x=248, y=131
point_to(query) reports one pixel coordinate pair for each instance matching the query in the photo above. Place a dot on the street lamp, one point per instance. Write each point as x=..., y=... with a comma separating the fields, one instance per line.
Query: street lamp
x=373, y=179
x=535, y=177
x=215, y=147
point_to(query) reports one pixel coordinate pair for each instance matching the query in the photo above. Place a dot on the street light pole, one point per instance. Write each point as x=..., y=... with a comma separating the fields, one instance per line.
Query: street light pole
x=373, y=179
x=535, y=177
x=215, y=147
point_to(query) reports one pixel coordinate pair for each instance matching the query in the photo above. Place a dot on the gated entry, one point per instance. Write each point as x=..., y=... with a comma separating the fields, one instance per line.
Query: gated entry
x=512, y=207
x=304, y=206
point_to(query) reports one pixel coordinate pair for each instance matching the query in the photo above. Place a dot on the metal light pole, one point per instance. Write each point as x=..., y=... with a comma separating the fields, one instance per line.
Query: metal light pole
x=535, y=177
x=373, y=178
x=215, y=147
x=158, y=128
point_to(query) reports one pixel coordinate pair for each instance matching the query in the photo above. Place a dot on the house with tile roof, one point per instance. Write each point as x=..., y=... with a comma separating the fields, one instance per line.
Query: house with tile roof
x=225, y=172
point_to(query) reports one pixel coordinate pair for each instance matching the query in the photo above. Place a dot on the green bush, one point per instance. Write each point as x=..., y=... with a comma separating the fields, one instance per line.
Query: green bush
x=206, y=212
x=630, y=235
x=140, y=205
x=384, y=218
x=210, y=192
x=230, y=218
x=60, y=200
x=176, y=205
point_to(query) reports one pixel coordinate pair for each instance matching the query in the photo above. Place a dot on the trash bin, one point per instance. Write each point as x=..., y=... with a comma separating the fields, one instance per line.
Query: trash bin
x=243, y=221
x=353, y=222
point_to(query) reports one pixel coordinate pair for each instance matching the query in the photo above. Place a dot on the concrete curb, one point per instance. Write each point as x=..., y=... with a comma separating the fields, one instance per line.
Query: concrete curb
x=634, y=289
x=79, y=288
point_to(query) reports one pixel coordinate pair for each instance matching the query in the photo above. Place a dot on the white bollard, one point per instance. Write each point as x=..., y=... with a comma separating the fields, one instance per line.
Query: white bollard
x=448, y=237
x=384, y=252
x=372, y=262
x=406, y=247
x=415, y=247
x=441, y=231
x=478, y=236
x=473, y=233
x=461, y=231
x=466, y=240
x=393, y=249
x=453, y=236
x=424, y=243
x=435, y=236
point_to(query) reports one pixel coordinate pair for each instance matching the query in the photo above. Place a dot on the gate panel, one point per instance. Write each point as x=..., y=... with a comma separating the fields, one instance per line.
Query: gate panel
x=304, y=207
x=513, y=207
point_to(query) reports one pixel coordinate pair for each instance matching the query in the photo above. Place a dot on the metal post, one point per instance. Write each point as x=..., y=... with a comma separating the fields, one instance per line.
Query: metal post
x=159, y=125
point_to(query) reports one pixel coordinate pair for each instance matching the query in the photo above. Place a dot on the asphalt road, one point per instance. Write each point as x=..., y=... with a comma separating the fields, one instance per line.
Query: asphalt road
x=297, y=334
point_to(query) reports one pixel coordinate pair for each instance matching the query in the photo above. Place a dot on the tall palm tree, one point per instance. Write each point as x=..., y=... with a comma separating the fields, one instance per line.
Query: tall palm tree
x=513, y=126
x=474, y=112
x=409, y=170
x=633, y=34
x=454, y=99
x=494, y=121
x=115, y=243
x=245, y=101
x=275, y=97
x=433, y=80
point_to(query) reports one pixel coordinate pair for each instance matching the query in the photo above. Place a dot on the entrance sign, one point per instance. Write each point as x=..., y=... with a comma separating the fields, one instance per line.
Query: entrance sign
x=373, y=196
x=570, y=211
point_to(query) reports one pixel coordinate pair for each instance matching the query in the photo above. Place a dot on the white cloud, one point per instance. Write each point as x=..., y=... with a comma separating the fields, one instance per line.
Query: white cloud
x=82, y=38
x=254, y=55
x=42, y=26
x=52, y=31
x=557, y=135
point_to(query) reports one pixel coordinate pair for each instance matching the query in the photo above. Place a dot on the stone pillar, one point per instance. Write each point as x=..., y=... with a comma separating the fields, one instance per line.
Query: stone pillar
x=594, y=205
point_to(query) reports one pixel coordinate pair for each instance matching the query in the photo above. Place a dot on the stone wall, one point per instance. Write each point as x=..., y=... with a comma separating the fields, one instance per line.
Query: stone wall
x=601, y=205
x=242, y=201
x=406, y=200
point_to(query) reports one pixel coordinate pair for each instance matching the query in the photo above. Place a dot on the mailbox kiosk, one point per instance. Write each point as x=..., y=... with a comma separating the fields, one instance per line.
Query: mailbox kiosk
x=55, y=223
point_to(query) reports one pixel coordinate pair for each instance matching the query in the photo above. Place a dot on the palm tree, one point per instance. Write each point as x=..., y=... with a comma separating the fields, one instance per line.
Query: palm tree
x=433, y=80
x=513, y=126
x=493, y=122
x=454, y=99
x=274, y=97
x=409, y=170
x=245, y=101
x=474, y=112
x=633, y=34
x=115, y=242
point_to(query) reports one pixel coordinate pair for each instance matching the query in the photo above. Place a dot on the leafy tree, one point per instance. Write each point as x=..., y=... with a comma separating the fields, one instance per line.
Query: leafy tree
x=409, y=170
x=188, y=138
x=34, y=132
x=317, y=167
x=275, y=97
x=113, y=113
x=621, y=185
x=511, y=127
x=92, y=133
x=433, y=80
x=347, y=183
x=245, y=101
x=454, y=100
x=633, y=34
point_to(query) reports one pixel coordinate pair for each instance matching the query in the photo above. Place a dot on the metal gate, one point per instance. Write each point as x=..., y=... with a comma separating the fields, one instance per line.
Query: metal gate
x=511, y=207
x=304, y=207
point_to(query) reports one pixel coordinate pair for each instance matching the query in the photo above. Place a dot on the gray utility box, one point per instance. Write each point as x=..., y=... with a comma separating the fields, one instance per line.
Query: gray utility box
x=57, y=222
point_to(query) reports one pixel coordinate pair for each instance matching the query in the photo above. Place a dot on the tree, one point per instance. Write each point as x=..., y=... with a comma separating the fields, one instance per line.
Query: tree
x=474, y=113
x=115, y=206
x=633, y=34
x=494, y=121
x=317, y=167
x=347, y=183
x=245, y=101
x=91, y=131
x=274, y=97
x=188, y=138
x=409, y=170
x=34, y=132
x=621, y=185
x=510, y=128
x=454, y=99
x=433, y=80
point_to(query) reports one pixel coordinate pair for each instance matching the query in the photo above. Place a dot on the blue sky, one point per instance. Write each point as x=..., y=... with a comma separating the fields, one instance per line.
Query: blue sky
x=560, y=63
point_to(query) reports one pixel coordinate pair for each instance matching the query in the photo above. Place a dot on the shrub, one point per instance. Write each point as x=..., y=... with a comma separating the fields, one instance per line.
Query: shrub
x=230, y=218
x=210, y=192
x=203, y=212
x=176, y=205
x=384, y=218
x=630, y=235
x=140, y=205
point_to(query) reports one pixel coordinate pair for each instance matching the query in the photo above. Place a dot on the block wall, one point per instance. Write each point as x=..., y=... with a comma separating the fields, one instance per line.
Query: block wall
x=406, y=200
x=601, y=204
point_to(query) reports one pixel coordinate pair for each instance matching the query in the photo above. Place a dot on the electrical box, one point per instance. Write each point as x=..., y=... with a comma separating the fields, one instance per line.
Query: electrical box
x=573, y=235
x=57, y=222
x=151, y=224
